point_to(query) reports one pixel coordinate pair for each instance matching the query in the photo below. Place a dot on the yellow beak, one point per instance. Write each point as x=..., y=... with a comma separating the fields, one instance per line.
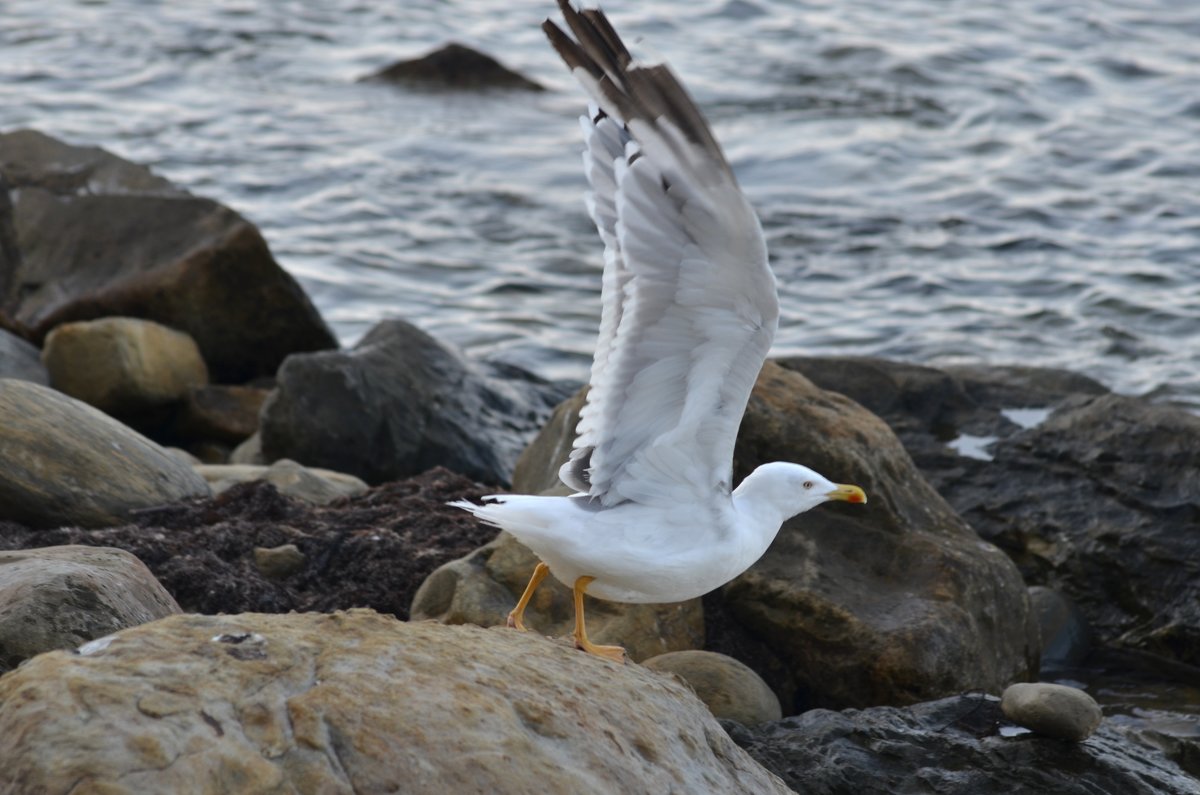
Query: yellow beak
x=847, y=494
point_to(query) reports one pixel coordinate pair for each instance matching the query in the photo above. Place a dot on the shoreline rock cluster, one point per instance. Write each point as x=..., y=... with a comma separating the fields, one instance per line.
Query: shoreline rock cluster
x=171, y=451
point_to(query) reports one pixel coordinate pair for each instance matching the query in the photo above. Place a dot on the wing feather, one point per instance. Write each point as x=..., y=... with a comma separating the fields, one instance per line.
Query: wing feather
x=689, y=305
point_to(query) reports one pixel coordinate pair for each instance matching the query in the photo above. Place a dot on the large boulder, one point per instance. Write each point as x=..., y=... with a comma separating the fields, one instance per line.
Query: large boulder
x=96, y=236
x=60, y=597
x=19, y=359
x=1092, y=494
x=354, y=702
x=482, y=587
x=401, y=402
x=894, y=602
x=123, y=365
x=64, y=462
x=961, y=744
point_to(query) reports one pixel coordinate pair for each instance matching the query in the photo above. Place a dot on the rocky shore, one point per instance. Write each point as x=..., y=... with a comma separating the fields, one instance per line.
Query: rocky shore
x=227, y=563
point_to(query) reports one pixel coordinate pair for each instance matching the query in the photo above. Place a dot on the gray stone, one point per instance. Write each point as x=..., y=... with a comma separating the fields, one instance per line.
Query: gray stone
x=400, y=403
x=249, y=451
x=63, y=462
x=122, y=365
x=730, y=689
x=1053, y=710
x=318, y=486
x=454, y=67
x=279, y=562
x=83, y=249
x=953, y=746
x=20, y=360
x=1066, y=638
x=355, y=702
x=60, y=597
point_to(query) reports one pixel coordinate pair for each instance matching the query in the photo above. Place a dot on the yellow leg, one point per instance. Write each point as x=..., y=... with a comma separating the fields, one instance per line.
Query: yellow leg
x=615, y=653
x=515, y=617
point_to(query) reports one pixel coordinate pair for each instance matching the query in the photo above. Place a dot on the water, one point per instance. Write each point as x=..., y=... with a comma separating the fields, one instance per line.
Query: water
x=940, y=182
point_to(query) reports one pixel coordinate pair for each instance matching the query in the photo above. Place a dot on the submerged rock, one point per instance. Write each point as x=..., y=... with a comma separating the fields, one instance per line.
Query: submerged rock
x=454, y=67
x=87, y=250
x=355, y=702
x=60, y=597
x=401, y=402
x=956, y=745
x=892, y=602
x=64, y=462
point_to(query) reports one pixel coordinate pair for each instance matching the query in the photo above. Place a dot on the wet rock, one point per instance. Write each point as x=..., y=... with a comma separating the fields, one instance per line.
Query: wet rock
x=122, y=365
x=730, y=690
x=64, y=462
x=372, y=550
x=20, y=360
x=892, y=602
x=60, y=597
x=1066, y=638
x=326, y=703
x=223, y=413
x=318, y=486
x=85, y=251
x=952, y=746
x=401, y=402
x=1092, y=494
x=483, y=587
x=279, y=563
x=454, y=67
x=1059, y=711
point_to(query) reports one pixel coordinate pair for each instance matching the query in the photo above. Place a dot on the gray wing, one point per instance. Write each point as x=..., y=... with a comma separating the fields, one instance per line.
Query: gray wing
x=689, y=303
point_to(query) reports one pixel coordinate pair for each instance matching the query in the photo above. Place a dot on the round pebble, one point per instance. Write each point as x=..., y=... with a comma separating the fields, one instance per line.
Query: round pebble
x=1052, y=710
x=729, y=688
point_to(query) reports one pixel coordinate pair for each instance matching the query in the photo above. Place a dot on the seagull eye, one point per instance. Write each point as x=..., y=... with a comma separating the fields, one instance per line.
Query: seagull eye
x=808, y=484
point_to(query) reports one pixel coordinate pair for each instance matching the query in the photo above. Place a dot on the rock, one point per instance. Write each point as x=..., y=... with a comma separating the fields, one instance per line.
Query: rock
x=222, y=413
x=1066, y=637
x=60, y=597
x=122, y=365
x=483, y=587
x=889, y=603
x=249, y=452
x=86, y=251
x=355, y=702
x=1092, y=494
x=64, y=462
x=318, y=486
x=728, y=688
x=368, y=551
x=454, y=67
x=20, y=360
x=1053, y=710
x=401, y=402
x=955, y=745
x=279, y=563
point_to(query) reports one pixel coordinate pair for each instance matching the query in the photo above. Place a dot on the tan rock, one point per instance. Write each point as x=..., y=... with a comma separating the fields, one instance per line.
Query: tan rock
x=60, y=597
x=483, y=587
x=122, y=365
x=354, y=702
x=315, y=485
x=249, y=452
x=894, y=602
x=279, y=562
x=727, y=687
x=1053, y=710
x=63, y=462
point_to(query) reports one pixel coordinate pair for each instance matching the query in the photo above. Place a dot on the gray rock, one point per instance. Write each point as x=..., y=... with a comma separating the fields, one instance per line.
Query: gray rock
x=249, y=451
x=279, y=562
x=400, y=403
x=60, y=597
x=122, y=365
x=84, y=250
x=1097, y=498
x=318, y=486
x=730, y=689
x=454, y=67
x=20, y=360
x=64, y=462
x=949, y=747
x=1066, y=638
x=1053, y=710
x=355, y=702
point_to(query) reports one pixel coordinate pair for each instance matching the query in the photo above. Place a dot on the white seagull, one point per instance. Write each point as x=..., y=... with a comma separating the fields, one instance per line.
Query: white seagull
x=689, y=309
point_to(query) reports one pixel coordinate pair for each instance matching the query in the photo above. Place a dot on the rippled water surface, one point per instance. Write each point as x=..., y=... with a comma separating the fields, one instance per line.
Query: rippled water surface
x=940, y=182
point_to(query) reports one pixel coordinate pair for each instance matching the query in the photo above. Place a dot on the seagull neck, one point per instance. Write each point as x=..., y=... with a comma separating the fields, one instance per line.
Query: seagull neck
x=759, y=506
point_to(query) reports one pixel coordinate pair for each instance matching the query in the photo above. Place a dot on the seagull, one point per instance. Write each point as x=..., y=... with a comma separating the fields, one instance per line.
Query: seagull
x=688, y=312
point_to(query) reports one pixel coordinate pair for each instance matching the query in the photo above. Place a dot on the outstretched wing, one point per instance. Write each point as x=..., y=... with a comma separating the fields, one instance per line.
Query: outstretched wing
x=689, y=303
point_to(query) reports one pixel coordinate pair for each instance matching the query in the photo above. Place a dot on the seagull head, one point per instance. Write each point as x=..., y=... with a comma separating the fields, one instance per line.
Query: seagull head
x=792, y=489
